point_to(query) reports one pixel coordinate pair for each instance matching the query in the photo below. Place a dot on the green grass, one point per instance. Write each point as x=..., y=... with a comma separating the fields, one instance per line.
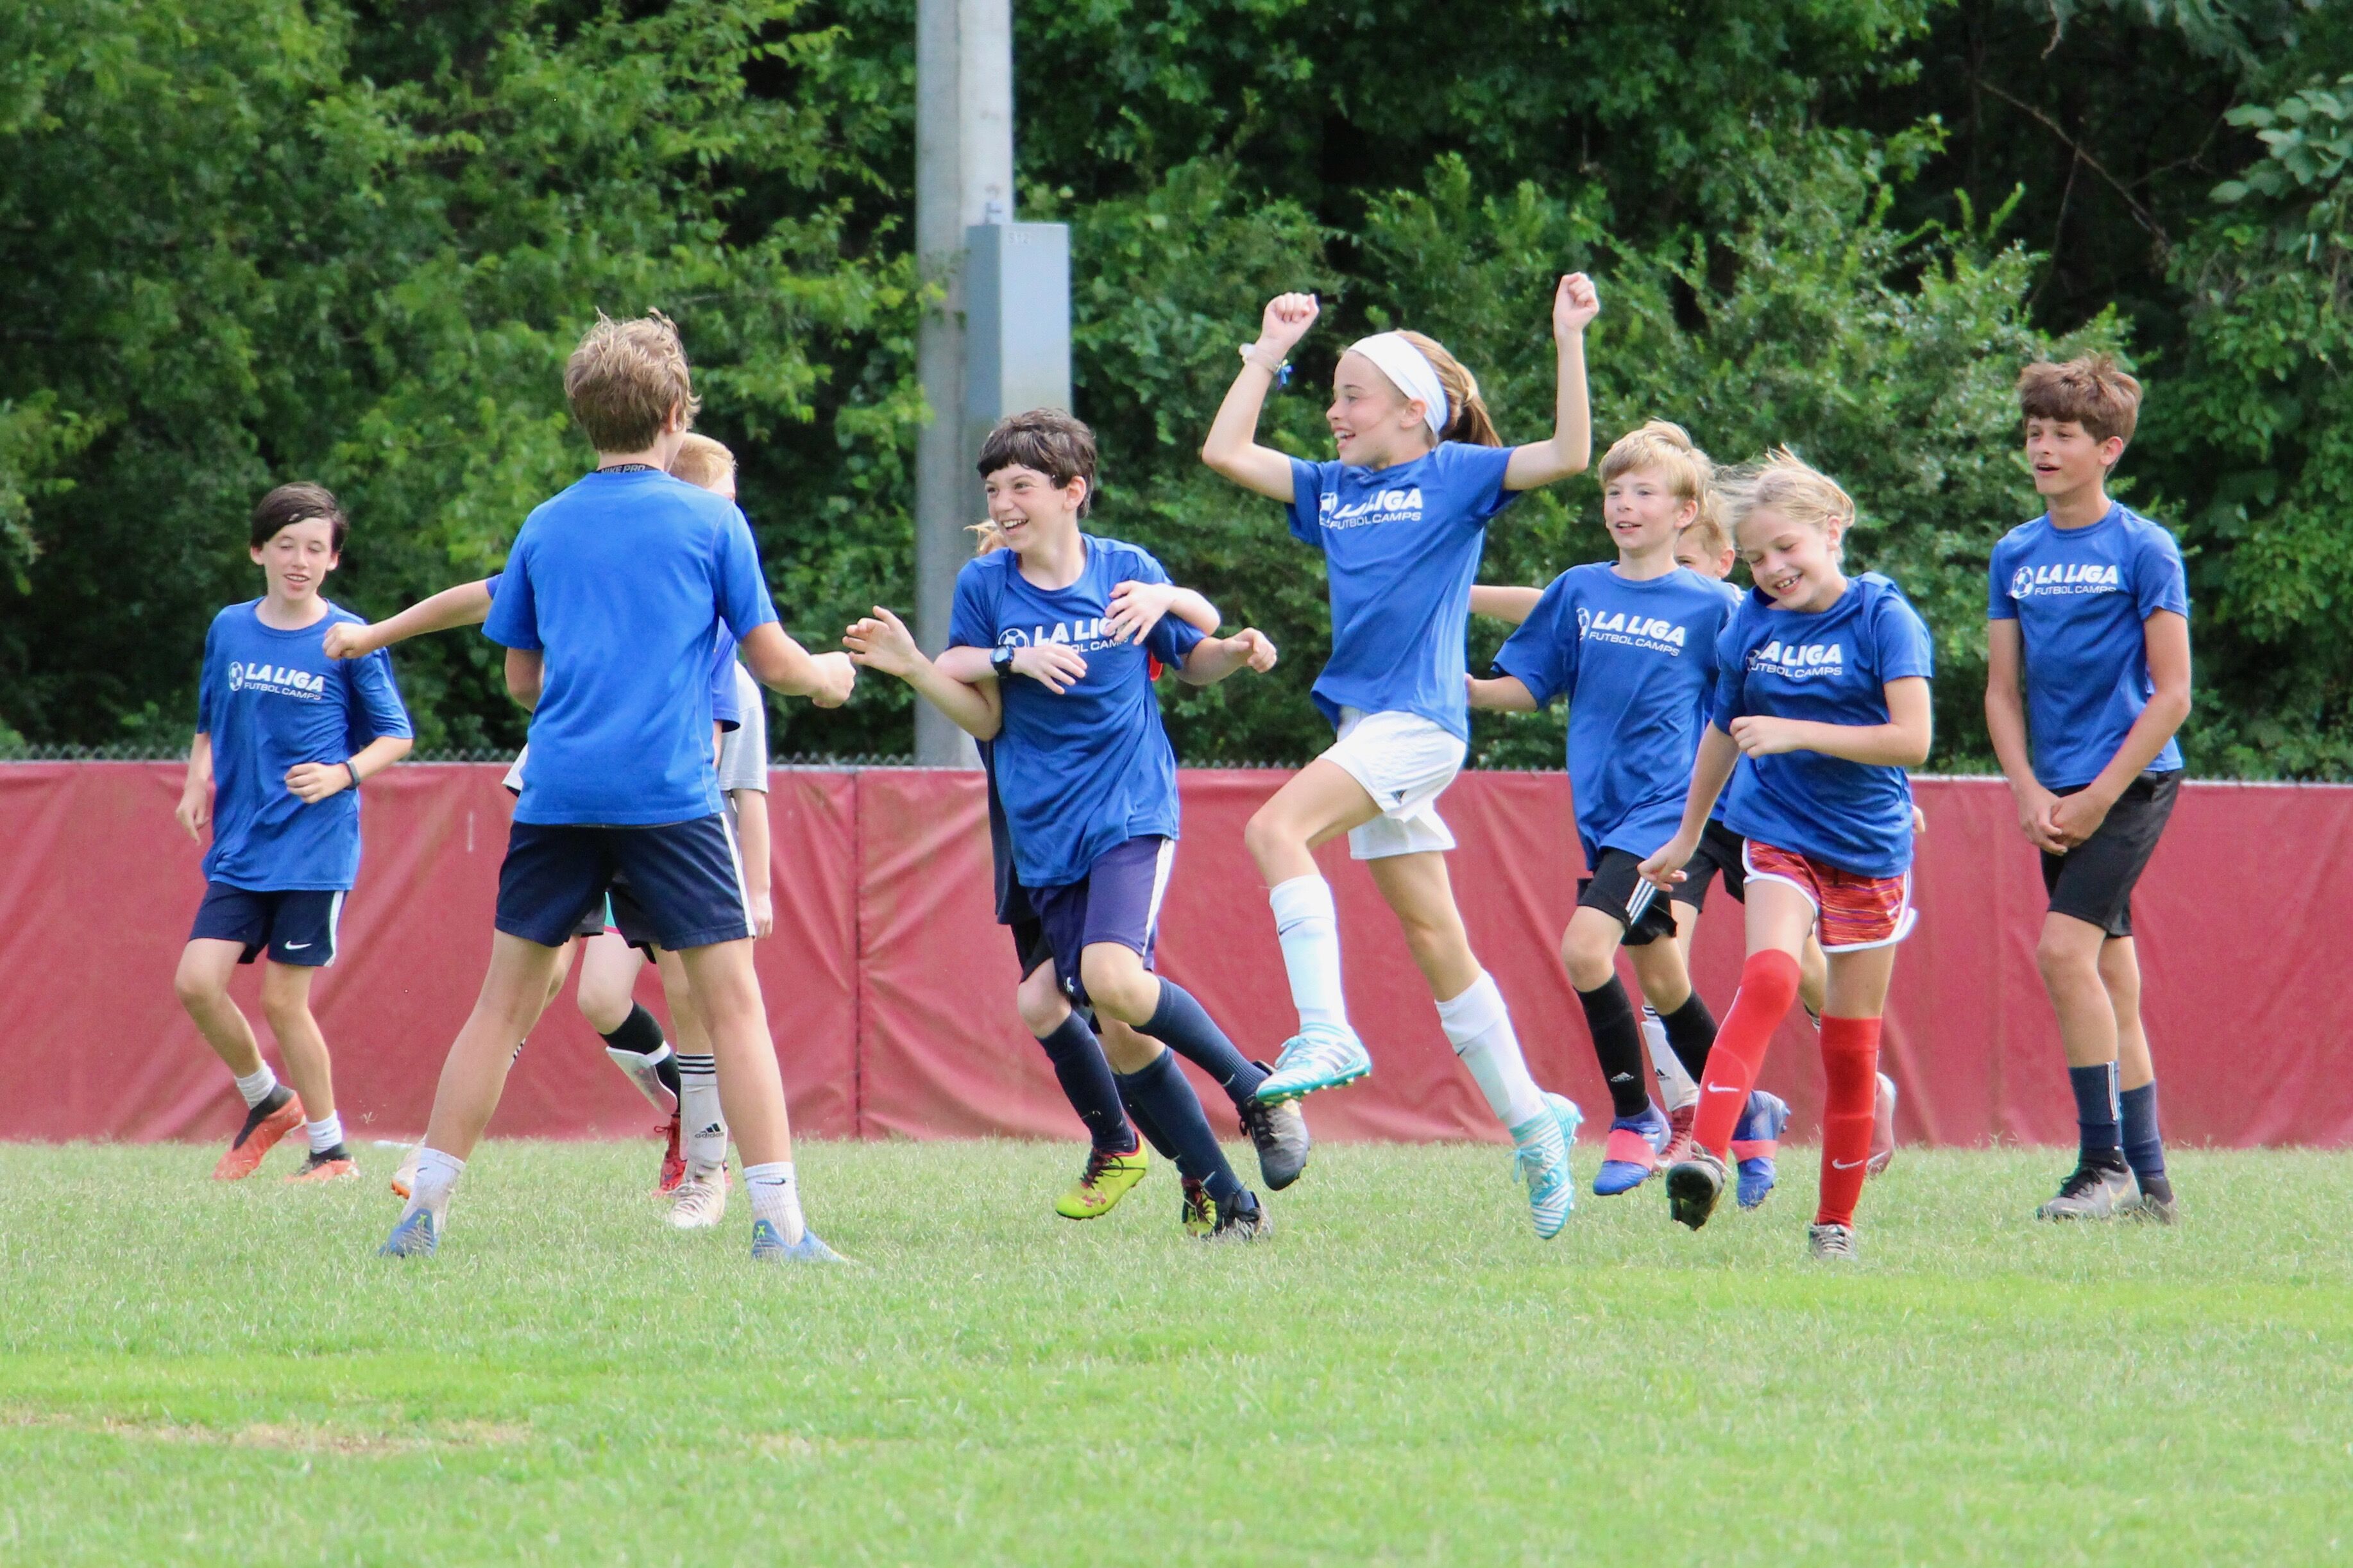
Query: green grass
x=194, y=1372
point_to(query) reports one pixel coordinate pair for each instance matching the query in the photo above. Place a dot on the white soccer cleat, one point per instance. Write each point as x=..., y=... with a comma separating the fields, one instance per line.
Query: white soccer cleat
x=699, y=1202
x=404, y=1180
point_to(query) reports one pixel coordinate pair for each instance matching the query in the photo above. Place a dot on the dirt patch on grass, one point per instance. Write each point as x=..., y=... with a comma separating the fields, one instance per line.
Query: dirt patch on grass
x=284, y=1436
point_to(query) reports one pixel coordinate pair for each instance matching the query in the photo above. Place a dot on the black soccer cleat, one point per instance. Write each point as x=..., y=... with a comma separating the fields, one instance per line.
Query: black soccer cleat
x=1693, y=1184
x=1278, y=1129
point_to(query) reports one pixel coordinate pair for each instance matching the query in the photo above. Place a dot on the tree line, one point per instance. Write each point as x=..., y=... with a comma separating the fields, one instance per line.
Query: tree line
x=351, y=240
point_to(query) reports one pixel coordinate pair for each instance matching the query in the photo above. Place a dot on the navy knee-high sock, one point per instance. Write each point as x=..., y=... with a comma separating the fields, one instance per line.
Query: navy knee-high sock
x=1185, y=1026
x=1088, y=1084
x=1141, y=1117
x=2144, y=1150
x=2096, y=1112
x=1161, y=1091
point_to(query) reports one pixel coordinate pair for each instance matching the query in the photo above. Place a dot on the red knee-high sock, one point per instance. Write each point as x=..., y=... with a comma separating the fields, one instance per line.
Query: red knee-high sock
x=1851, y=1063
x=1768, y=984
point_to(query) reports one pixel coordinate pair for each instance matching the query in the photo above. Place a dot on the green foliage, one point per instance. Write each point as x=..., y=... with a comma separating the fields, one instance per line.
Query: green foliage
x=351, y=240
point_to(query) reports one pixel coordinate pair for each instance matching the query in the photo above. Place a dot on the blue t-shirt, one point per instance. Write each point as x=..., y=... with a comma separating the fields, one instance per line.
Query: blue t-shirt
x=626, y=583
x=1830, y=667
x=2081, y=597
x=725, y=710
x=1734, y=597
x=1084, y=772
x=269, y=699
x=1400, y=548
x=1635, y=660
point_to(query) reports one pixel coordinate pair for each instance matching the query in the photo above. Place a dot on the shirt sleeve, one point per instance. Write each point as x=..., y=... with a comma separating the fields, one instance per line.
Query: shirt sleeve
x=972, y=619
x=725, y=710
x=1542, y=654
x=1170, y=640
x=743, y=755
x=2160, y=583
x=490, y=584
x=1307, y=500
x=1731, y=675
x=376, y=710
x=1999, y=606
x=743, y=590
x=207, y=681
x=514, y=620
x=1902, y=639
x=1474, y=479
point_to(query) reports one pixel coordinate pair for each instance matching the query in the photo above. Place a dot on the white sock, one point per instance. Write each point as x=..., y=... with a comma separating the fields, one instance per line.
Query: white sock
x=326, y=1134
x=643, y=1070
x=1309, y=928
x=702, y=1125
x=776, y=1199
x=437, y=1178
x=256, y=1087
x=1480, y=1028
x=1676, y=1086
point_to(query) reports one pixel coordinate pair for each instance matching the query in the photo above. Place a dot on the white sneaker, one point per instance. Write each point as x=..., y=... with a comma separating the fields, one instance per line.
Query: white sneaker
x=700, y=1202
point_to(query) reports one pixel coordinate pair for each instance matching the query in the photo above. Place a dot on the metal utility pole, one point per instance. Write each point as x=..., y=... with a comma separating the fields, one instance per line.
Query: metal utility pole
x=998, y=339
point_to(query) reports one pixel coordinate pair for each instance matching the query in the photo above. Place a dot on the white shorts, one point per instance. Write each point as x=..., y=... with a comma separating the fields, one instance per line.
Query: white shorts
x=1405, y=762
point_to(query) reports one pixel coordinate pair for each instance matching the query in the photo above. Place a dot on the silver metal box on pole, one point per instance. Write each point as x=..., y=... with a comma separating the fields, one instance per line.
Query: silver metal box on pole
x=1016, y=302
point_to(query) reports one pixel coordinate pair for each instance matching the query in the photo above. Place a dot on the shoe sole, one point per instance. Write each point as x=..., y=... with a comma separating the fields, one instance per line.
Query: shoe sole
x=1692, y=1197
x=1276, y=1097
x=317, y=1178
x=246, y=1158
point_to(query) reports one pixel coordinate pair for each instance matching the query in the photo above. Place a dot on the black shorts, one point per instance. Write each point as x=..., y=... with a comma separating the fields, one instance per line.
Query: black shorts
x=685, y=882
x=1614, y=887
x=2094, y=881
x=1718, y=853
x=298, y=926
x=599, y=916
x=1030, y=944
x=1117, y=900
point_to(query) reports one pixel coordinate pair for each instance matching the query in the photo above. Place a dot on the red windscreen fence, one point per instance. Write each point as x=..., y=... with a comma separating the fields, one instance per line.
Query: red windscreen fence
x=891, y=988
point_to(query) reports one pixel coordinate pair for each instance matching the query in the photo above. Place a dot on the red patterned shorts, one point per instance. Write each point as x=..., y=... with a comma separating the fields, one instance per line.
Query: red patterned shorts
x=1853, y=912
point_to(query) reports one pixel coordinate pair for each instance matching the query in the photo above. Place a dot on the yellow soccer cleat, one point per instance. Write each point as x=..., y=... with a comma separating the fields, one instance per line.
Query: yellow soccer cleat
x=1106, y=1181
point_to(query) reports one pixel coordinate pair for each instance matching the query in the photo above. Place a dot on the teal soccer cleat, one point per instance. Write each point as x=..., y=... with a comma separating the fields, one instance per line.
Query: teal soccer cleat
x=1309, y=1062
x=1541, y=1163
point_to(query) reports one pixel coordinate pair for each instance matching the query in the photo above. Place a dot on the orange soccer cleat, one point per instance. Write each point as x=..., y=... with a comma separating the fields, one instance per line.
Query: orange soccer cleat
x=265, y=1124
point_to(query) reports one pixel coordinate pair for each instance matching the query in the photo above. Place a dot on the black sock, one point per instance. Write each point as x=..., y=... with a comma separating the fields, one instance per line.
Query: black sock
x=1185, y=1027
x=1690, y=1030
x=1149, y=1127
x=2144, y=1150
x=1617, y=1046
x=2096, y=1113
x=1175, y=1110
x=641, y=1035
x=1087, y=1084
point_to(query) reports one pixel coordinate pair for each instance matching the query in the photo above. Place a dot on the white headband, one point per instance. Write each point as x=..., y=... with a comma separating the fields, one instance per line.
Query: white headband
x=1395, y=357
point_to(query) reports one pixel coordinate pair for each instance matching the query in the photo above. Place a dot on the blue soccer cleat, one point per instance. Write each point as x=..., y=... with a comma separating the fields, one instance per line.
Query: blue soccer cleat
x=768, y=1247
x=1630, y=1157
x=1755, y=1142
x=414, y=1236
x=1309, y=1062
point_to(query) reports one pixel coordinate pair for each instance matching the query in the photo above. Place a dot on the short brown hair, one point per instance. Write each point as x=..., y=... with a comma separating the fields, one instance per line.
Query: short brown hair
x=701, y=461
x=298, y=502
x=626, y=379
x=1057, y=445
x=2093, y=392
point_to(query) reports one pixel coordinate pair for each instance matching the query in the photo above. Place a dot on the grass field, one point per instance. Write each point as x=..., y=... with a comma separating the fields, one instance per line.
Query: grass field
x=195, y=1372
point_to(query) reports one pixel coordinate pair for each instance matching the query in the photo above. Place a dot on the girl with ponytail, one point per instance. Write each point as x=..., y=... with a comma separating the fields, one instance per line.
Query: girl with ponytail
x=1401, y=518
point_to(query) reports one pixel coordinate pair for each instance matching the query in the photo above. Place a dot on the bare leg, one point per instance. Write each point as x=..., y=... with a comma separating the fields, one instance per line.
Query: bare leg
x=751, y=1087
x=608, y=979
x=514, y=991
x=1418, y=890
x=286, y=1003
x=2069, y=956
x=2120, y=976
x=202, y=983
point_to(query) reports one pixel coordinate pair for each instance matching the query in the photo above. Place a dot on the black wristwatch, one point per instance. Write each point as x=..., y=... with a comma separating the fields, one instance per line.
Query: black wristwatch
x=1000, y=662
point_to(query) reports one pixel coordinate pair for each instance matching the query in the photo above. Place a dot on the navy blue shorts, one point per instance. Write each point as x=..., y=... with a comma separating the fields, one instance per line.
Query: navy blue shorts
x=296, y=926
x=684, y=877
x=1117, y=900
